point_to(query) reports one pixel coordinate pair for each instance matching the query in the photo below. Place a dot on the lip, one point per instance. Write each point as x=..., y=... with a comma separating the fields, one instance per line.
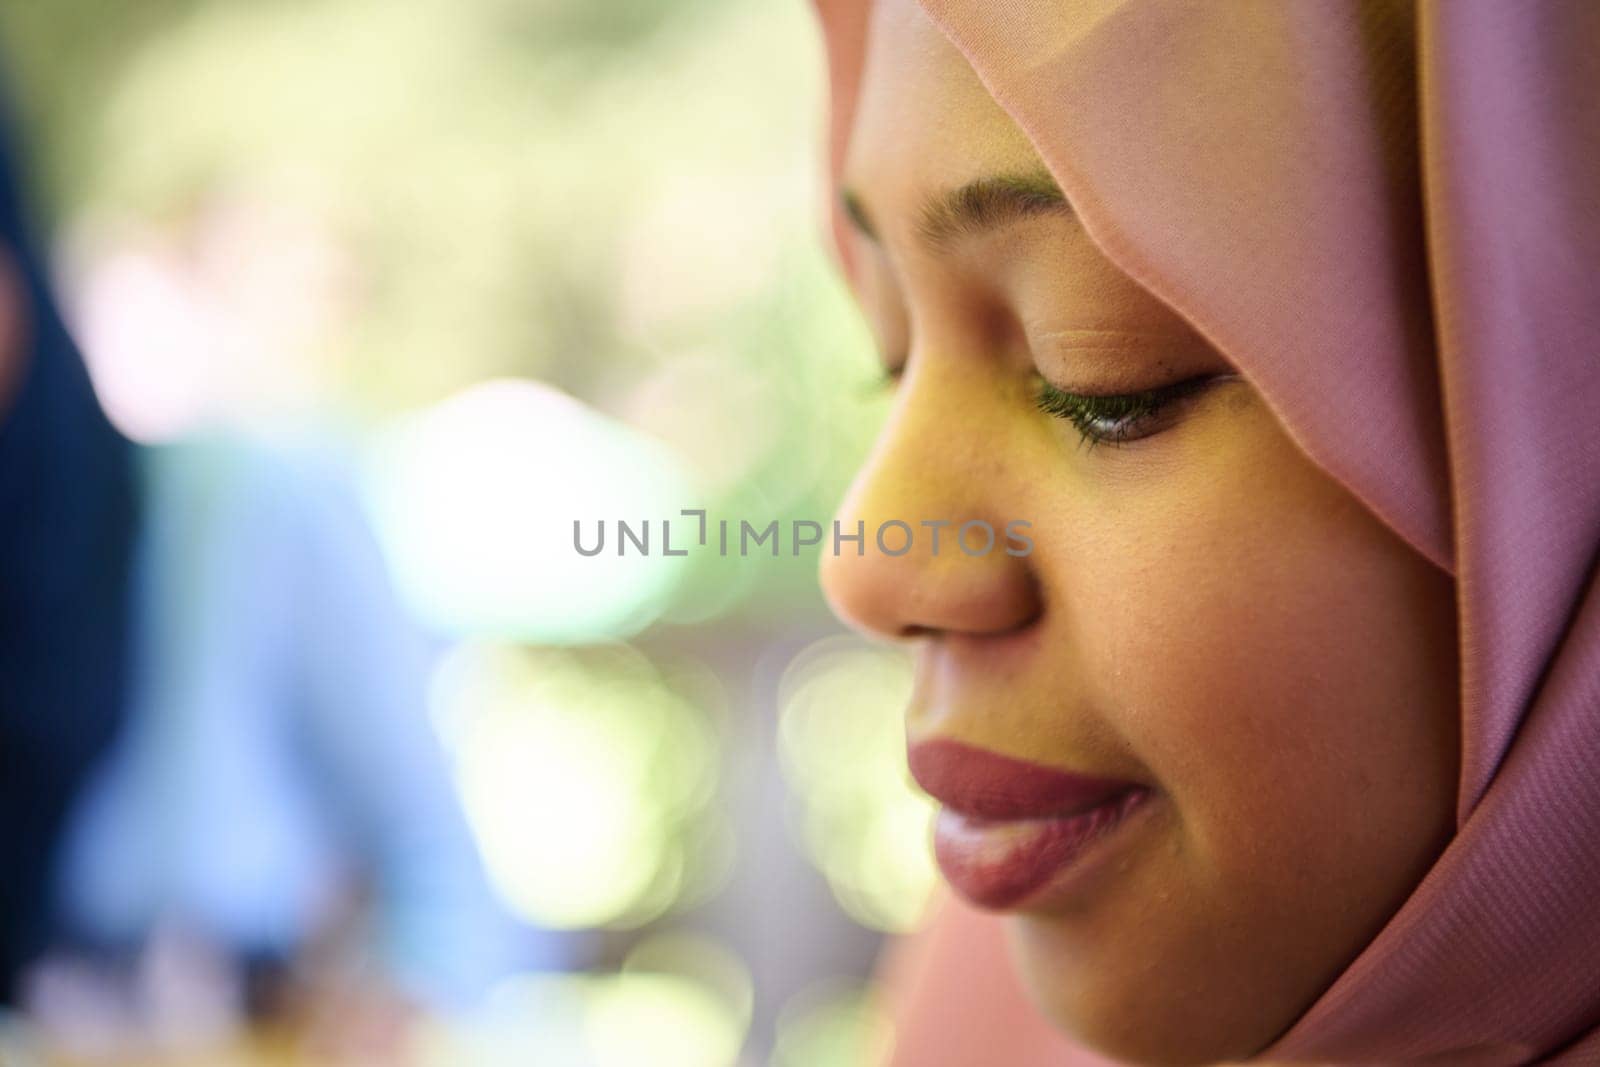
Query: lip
x=1013, y=832
x=987, y=785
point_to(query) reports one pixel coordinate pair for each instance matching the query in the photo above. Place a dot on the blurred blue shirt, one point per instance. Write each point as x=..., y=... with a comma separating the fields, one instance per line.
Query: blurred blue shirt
x=278, y=736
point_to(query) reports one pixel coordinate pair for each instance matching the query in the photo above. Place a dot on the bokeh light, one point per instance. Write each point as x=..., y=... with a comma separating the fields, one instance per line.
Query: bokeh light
x=834, y=1024
x=476, y=500
x=843, y=747
x=678, y=1000
x=538, y=260
x=587, y=779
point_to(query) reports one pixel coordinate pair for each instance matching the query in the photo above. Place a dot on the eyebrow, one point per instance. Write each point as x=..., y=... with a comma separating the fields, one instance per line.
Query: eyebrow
x=979, y=206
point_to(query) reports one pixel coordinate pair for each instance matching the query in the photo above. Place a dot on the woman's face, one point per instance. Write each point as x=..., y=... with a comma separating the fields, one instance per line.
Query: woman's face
x=1259, y=677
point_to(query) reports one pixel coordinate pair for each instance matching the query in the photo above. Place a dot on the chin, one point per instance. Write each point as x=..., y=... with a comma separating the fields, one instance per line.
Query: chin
x=1131, y=1011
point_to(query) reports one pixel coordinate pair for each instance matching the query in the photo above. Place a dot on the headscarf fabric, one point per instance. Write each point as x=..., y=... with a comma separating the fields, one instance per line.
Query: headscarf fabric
x=1386, y=214
x=67, y=522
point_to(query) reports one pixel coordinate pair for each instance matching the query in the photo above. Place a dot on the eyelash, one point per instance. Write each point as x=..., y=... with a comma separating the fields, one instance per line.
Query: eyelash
x=1084, y=410
x=1127, y=409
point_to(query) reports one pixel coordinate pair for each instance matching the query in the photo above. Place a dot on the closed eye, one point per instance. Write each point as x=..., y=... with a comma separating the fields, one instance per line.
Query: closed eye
x=1119, y=417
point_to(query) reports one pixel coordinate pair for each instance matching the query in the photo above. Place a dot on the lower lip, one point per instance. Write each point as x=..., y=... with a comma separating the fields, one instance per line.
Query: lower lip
x=1015, y=862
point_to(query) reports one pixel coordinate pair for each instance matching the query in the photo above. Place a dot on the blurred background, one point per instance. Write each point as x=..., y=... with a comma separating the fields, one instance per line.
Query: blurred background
x=477, y=269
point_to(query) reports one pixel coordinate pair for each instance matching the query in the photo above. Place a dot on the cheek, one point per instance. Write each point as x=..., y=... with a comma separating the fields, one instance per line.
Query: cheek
x=1285, y=668
x=1300, y=711
x=1288, y=662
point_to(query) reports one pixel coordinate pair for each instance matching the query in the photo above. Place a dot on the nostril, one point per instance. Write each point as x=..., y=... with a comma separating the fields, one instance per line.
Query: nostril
x=917, y=595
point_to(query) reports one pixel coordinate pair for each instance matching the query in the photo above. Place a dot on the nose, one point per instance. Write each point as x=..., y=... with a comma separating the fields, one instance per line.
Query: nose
x=945, y=541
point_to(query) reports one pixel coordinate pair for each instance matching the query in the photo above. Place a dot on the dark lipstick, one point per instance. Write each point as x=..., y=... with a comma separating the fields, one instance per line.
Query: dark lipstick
x=1011, y=828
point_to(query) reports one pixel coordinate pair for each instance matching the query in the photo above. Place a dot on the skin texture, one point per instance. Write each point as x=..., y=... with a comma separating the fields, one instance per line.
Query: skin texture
x=1205, y=612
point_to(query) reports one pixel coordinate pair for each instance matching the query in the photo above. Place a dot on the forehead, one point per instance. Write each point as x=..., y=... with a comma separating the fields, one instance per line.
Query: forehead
x=923, y=122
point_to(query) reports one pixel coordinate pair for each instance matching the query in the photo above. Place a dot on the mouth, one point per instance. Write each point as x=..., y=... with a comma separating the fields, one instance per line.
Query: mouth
x=1015, y=834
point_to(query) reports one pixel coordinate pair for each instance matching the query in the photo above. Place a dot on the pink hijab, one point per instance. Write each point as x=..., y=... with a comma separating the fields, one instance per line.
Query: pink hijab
x=1387, y=215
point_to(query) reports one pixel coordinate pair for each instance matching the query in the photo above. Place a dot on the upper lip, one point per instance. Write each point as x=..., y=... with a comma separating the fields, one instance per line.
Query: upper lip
x=988, y=785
